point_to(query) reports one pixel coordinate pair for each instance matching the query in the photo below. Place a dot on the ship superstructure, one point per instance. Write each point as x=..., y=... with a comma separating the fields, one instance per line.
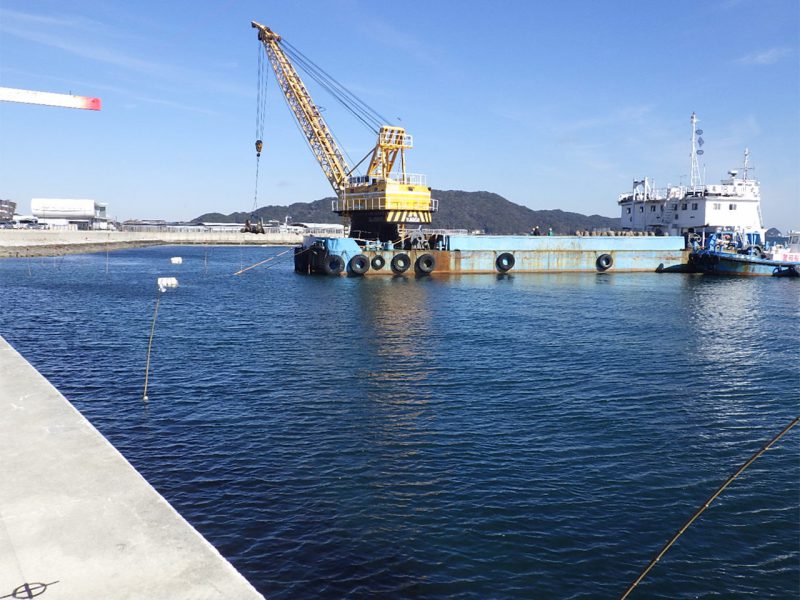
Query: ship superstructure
x=732, y=205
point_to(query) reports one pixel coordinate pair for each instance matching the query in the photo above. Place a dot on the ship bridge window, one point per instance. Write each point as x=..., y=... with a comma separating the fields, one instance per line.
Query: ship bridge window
x=694, y=205
x=731, y=207
x=628, y=210
x=653, y=208
x=641, y=209
x=717, y=205
x=683, y=206
x=674, y=207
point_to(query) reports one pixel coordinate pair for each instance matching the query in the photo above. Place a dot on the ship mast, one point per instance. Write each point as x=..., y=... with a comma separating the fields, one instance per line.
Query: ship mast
x=746, y=167
x=696, y=181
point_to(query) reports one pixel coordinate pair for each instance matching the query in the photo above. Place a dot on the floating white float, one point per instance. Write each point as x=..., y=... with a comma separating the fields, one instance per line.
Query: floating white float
x=166, y=282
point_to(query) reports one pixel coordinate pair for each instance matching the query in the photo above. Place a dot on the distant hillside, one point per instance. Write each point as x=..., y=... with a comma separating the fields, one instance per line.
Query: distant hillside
x=495, y=215
x=318, y=211
x=486, y=211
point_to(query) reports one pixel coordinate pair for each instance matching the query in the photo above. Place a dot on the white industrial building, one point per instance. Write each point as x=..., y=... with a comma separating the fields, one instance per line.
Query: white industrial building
x=70, y=213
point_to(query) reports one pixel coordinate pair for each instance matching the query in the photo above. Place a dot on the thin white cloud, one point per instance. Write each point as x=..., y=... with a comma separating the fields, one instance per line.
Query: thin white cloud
x=86, y=50
x=738, y=133
x=764, y=57
x=389, y=35
x=563, y=128
x=73, y=40
x=7, y=15
x=625, y=114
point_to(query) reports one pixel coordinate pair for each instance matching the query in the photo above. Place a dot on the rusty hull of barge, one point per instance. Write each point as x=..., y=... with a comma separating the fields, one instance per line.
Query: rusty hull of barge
x=489, y=254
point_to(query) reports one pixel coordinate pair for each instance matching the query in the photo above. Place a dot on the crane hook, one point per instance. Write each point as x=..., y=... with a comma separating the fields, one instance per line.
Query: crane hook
x=259, y=146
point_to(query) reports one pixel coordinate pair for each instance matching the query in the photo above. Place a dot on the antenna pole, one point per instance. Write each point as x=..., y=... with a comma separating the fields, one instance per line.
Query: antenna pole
x=746, y=161
x=695, y=180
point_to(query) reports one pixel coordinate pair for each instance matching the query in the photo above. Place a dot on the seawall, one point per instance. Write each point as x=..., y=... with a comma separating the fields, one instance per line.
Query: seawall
x=76, y=517
x=29, y=242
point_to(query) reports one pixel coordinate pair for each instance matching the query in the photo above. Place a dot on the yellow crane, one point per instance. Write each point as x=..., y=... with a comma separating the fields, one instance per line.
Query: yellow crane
x=380, y=204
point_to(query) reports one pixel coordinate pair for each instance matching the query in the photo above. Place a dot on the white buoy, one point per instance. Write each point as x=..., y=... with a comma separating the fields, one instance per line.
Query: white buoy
x=166, y=282
x=176, y=260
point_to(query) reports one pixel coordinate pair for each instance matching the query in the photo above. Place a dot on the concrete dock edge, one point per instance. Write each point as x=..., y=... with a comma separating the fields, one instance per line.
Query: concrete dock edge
x=78, y=521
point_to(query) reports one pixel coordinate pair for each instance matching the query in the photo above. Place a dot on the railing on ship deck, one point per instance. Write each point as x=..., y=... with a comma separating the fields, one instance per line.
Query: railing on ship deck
x=373, y=204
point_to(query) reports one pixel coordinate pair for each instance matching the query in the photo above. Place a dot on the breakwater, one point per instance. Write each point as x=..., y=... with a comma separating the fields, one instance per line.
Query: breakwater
x=26, y=242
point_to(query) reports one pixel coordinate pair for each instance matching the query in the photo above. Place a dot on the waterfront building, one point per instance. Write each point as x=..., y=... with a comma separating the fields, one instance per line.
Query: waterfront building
x=7, y=209
x=70, y=213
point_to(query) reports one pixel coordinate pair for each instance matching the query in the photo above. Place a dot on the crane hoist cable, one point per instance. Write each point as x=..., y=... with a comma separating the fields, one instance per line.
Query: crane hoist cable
x=261, y=115
x=362, y=111
x=355, y=105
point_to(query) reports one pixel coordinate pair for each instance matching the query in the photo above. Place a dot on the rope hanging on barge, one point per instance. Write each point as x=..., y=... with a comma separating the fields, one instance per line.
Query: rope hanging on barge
x=705, y=505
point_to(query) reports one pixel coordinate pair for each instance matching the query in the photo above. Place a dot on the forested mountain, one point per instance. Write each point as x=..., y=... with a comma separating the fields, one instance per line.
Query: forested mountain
x=485, y=211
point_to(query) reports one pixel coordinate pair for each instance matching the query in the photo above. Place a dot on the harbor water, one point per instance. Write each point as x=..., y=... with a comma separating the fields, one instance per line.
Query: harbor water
x=474, y=436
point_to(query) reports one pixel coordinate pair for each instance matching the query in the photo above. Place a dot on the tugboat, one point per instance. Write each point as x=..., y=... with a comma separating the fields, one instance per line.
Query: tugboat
x=732, y=253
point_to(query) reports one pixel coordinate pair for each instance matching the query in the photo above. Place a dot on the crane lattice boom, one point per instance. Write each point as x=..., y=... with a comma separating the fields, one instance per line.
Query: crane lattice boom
x=379, y=204
x=305, y=111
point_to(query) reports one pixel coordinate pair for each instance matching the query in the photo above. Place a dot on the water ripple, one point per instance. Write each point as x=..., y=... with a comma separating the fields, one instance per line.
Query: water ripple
x=462, y=437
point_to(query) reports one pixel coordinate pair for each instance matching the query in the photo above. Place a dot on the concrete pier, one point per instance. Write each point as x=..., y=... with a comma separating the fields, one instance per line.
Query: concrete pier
x=76, y=519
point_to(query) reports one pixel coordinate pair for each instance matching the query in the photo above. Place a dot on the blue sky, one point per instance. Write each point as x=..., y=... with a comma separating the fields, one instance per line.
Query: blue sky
x=550, y=104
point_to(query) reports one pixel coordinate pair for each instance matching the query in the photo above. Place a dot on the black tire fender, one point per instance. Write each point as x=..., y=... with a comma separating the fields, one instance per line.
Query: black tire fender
x=604, y=262
x=426, y=263
x=400, y=263
x=333, y=264
x=358, y=265
x=378, y=262
x=505, y=262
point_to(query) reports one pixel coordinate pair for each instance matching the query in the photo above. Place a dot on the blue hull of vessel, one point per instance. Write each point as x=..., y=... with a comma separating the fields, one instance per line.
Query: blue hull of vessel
x=726, y=263
x=493, y=254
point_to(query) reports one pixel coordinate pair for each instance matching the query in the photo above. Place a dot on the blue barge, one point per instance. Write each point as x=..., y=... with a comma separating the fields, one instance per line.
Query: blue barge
x=451, y=254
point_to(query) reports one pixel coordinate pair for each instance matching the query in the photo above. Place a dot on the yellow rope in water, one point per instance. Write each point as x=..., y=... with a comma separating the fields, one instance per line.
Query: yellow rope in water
x=240, y=271
x=149, y=347
x=705, y=505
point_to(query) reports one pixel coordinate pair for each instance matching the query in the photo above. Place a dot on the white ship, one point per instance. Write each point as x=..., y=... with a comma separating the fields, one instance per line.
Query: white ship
x=733, y=205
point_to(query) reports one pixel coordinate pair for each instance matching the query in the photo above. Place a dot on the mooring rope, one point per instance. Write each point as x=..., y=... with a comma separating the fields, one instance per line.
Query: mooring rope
x=240, y=271
x=149, y=347
x=705, y=505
